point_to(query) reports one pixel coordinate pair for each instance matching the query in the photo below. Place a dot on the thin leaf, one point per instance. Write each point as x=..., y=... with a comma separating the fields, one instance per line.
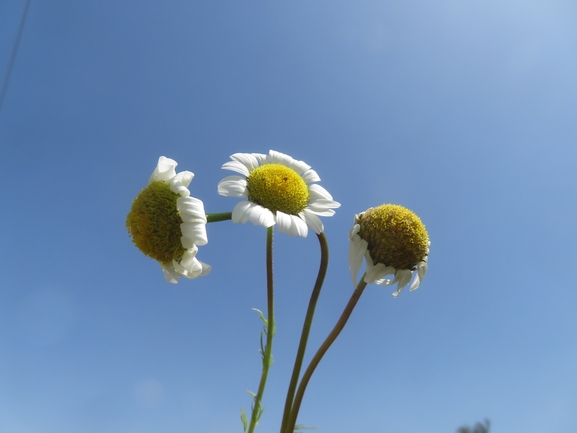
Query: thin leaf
x=244, y=420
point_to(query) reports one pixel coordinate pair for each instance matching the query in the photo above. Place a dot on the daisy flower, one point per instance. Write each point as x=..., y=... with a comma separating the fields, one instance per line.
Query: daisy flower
x=167, y=224
x=393, y=241
x=279, y=190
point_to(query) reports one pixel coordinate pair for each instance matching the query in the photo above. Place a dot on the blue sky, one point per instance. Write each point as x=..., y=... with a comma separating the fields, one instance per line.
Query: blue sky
x=462, y=111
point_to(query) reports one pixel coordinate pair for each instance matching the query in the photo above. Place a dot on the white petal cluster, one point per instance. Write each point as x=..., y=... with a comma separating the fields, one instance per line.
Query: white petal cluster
x=358, y=249
x=193, y=227
x=321, y=202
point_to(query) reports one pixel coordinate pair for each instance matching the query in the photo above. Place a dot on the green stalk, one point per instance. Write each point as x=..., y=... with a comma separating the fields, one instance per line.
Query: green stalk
x=270, y=330
x=306, y=329
x=217, y=217
x=320, y=353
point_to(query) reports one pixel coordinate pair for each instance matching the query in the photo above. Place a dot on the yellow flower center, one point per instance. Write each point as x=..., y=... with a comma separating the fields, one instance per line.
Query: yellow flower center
x=154, y=223
x=278, y=188
x=396, y=236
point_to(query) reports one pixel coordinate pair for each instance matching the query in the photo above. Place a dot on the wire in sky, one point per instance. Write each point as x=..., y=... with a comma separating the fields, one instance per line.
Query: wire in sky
x=13, y=56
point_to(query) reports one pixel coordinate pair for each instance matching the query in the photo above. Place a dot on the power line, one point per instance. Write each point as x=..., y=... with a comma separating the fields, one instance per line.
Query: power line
x=13, y=56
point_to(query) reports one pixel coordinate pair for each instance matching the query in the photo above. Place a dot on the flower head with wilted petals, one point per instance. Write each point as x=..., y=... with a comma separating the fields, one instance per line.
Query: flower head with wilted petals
x=279, y=190
x=394, y=241
x=167, y=224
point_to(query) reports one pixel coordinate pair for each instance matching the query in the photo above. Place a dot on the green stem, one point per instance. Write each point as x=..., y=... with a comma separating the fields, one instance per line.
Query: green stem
x=270, y=330
x=217, y=217
x=320, y=353
x=306, y=329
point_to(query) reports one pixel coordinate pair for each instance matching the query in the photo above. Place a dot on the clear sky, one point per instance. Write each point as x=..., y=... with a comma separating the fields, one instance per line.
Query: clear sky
x=463, y=111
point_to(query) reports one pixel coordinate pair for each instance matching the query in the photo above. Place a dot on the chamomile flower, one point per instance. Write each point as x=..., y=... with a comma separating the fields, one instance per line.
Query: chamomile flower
x=393, y=241
x=167, y=224
x=279, y=190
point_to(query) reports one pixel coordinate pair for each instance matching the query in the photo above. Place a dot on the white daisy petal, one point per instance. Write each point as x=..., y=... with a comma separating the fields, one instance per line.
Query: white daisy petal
x=322, y=203
x=357, y=250
x=275, y=157
x=403, y=278
x=422, y=268
x=268, y=219
x=193, y=234
x=185, y=177
x=421, y=271
x=237, y=166
x=386, y=281
x=299, y=166
x=239, y=211
x=300, y=225
x=179, y=188
x=321, y=210
x=233, y=186
x=170, y=274
x=416, y=283
x=250, y=161
x=191, y=210
x=374, y=272
x=354, y=231
x=370, y=273
x=189, y=265
x=248, y=211
x=284, y=223
x=252, y=215
x=193, y=269
x=165, y=170
x=313, y=221
x=261, y=158
x=318, y=192
x=261, y=216
x=205, y=269
x=310, y=176
x=187, y=242
x=280, y=158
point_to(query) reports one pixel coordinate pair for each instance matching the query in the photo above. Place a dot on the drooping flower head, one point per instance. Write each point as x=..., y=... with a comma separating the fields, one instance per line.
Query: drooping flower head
x=394, y=241
x=167, y=224
x=279, y=190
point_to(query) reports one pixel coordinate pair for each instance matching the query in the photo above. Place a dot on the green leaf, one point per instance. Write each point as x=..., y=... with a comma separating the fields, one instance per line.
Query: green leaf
x=244, y=420
x=300, y=427
x=261, y=316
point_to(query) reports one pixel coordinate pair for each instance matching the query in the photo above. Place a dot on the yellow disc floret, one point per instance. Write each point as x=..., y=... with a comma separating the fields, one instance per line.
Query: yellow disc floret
x=154, y=223
x=396, y=236
x=278, y=188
